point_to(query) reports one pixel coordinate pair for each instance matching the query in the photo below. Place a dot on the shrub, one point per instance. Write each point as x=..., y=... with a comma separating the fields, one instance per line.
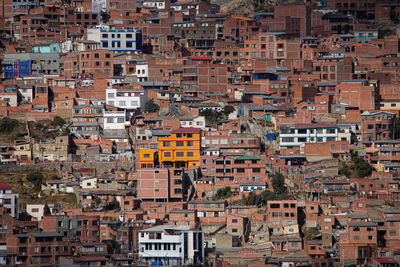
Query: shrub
x=228, y=109
x=151, y=107
x=36, y=178
x=58, y=121
x=8, y=125
x=223, y=193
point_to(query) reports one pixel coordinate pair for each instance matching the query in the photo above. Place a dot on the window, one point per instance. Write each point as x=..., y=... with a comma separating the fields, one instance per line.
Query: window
x=189, y=143
x=167, y=154
x=180, y=143
x=122, y=103
x=146, y=156
x=275, y=206
x=234, y=230
x=180, y=154
x=177, y=190
x=190, y=154
x=167, y=144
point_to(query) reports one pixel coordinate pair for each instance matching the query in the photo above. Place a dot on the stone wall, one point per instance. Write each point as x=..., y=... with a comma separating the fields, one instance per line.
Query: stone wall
x=101, y=167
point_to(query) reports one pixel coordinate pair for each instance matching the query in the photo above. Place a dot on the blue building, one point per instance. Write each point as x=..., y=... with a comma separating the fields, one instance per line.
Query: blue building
x=52, y=48
x=17, y=69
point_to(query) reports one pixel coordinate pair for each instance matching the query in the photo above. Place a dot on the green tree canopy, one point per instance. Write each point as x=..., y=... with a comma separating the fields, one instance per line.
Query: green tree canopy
x=58, y=121
x=278, y=183
x=362, y=167
x=36, y=178
x=223, y=193
x=228, y=109
x=151, y=107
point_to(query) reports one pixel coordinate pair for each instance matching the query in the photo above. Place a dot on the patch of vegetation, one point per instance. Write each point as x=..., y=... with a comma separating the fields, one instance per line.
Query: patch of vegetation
x=211, y=116
x=66, y=132
x=58, y=121
x=278, y=183
x=362, y=167
x=223, y=193
x=261, y=199
x=344, y=169
x=11, y=129
x=43, y=129
x=113, y=205
x=310, y=232
x=36, y=178
x=228, y=109
x=8, y=125
x=151, y=107
x=105, y=16
x=30, y=194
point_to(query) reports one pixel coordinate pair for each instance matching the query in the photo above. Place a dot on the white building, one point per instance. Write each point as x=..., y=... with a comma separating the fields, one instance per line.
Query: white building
x=142, y=72
x=116, y=40
x=193, y=122
x=114, y=120
x=37, y=210
x=159, y=4
x=171, y=245
x=88, y=183
x=9, y=200
x=299, y=134
x=126, y=99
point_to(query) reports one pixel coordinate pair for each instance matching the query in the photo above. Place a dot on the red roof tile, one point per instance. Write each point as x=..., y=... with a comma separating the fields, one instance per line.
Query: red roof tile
x=200, y=58
x=5, y=185
x=383, y=260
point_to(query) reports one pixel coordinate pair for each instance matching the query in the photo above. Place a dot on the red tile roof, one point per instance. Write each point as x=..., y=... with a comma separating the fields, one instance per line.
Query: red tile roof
x=383, y=260
x=5, y=185
x=200, y=58
x=186, y=130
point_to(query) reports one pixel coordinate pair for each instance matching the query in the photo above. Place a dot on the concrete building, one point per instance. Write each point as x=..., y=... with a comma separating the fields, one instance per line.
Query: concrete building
x=9, y=200
x=38, y=64
x=117, y=40
x=114, y=120
x=125, y=99
x=299, y=134
x=377, y=125
x=171, y=245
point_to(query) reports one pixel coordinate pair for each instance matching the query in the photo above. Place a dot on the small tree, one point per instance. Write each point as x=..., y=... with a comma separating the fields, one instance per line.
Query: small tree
x=151, y=107
x=113, y=205
x=362, y=167
x=223, y=193
x=36, y=178
x=58, y=121
x=211, y=116
x=105, y=17
x=228, y=109
x=278, y=183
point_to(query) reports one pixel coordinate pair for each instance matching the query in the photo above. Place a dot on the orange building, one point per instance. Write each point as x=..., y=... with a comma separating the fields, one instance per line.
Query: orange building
x=180, y=149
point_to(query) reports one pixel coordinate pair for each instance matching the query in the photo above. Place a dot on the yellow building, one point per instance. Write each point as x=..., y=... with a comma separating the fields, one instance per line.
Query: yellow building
x=181, y=149
x=390, y=105
x=146, y=158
